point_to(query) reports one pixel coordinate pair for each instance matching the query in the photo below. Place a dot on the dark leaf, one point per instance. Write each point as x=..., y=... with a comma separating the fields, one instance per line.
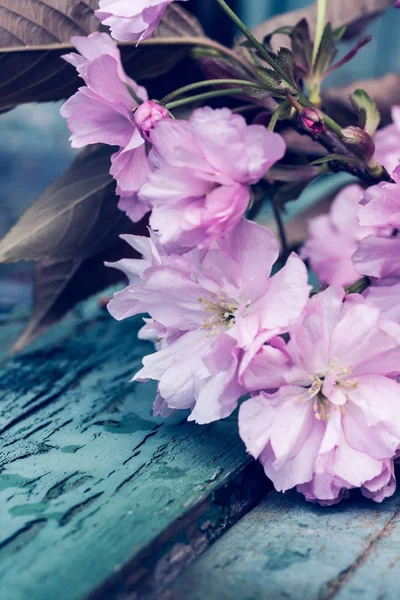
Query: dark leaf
x=76, y=217
x=385, y=92
x=302, y=47
x=285, y=59
x=60, y=285
x=35, y=34
x=215, y=67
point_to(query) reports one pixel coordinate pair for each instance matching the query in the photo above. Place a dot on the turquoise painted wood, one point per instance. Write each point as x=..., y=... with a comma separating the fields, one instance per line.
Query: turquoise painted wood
x=94, y=491
x=99, y=500
x=287, y=549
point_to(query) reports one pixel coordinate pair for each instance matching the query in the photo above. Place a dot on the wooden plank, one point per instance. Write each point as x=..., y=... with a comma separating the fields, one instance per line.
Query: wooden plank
x=286, y=548
x=93, y=487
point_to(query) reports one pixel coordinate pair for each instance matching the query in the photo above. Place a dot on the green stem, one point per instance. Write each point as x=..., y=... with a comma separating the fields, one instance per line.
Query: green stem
x=253, y=40
x=205, y=96
x=200, y=84
x=359, y=286
x=321, y=20
x=277, y=114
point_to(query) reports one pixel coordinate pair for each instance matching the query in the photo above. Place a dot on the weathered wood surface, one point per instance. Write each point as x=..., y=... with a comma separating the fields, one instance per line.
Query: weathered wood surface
x=288, y=549
x=99, y=499
x=93, y=487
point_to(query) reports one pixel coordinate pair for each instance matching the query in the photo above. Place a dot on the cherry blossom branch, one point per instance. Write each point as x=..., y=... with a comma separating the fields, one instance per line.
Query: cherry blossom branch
x=205, y=96
x=254, y=41
x=200, y=84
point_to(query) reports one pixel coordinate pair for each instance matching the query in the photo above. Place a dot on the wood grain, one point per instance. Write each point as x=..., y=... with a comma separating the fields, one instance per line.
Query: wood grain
x=288, y=549
x=93, y=489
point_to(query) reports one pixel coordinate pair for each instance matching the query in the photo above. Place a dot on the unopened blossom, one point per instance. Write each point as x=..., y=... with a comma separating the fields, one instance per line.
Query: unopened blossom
x=359, y=141
x=213, y=311
x=203, y=169
x=147, y=116
x=334, y=424
x=313, y=119
x=387, y=143
x=131, y=20
x=333, y=239
x=102, y=112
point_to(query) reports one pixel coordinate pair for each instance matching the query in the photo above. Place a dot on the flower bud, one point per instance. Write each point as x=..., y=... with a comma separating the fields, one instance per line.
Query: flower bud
x=313, y=119
x=147, y=115
x=359, y=141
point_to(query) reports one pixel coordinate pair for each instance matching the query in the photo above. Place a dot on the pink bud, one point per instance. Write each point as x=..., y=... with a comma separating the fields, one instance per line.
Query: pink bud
x=147, y=115
x=397, y=4
x=359, y=141
x=313, y=119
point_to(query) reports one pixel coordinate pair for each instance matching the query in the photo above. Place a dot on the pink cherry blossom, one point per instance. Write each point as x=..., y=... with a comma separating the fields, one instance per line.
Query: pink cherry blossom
x=334, y=424
x=380, y=208
x=202, y=172
x=131, y=20
x=214, y=310
x=147, y=116
x=381, y=204
x=334, y=238
x=385, y=294
x=387, y=143
x=101, y=112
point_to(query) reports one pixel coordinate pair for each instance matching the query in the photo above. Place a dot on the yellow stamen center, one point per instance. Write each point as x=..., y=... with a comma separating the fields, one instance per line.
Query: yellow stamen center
x=222, y=311
x=321, y=405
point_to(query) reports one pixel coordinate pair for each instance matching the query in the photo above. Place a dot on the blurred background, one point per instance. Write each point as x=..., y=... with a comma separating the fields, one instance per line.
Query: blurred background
x=34, y=146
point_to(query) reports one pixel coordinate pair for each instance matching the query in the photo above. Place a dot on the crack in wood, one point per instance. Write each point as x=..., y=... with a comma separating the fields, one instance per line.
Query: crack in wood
x=334, y=586
x=66, y=485
x=151, y=570
x=23, y=416
x=74, y=510
x=20, y=538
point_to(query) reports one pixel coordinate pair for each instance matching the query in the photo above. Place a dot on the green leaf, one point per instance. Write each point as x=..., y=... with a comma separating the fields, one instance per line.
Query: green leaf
x=369, y=117
x=339, y=33
x=302, y=47
x=283, y=111
x=326, y=52
x=273, y=82
x=385, y=92
x=285, y=59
